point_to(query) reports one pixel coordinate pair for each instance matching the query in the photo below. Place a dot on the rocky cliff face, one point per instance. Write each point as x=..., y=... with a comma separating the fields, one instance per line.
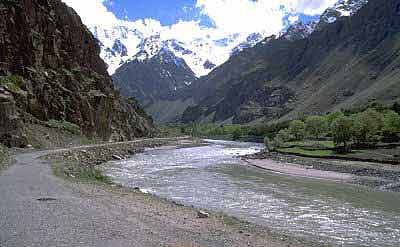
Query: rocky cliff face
x=50, y=69
x=341, y=65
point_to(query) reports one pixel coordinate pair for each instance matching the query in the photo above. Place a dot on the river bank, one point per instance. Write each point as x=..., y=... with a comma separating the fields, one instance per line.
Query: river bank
x=375, y=175
x=189, y=230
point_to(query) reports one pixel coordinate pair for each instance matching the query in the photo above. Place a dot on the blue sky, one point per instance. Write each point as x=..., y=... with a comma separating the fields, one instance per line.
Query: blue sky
x=224, y=16
x=167, y=12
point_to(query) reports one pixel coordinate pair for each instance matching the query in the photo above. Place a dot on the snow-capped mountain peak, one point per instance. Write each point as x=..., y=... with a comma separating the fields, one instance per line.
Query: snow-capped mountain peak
x=144, y=39
x=128, y=41
x=342, y=8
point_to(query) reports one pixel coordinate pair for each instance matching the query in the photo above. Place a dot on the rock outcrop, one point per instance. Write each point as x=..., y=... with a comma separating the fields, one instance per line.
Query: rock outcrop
x=11, y=131
x=50, y=69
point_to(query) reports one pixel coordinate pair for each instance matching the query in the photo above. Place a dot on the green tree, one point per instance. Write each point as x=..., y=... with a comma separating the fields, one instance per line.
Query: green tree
x=396, y=107
x=342, y=132
x=367, y=127
x=331, y=117
x=377, y=106
x=297, y=129
x=269, y=144
x=316, y=126
x=391, y=123
x=236, y=134
x=284, y=135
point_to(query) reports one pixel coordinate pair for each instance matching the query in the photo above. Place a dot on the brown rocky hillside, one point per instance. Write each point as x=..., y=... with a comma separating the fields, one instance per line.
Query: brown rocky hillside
x=50, y=69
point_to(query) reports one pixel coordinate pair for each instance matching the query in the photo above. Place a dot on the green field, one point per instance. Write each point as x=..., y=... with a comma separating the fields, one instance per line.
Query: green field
x=301, y=151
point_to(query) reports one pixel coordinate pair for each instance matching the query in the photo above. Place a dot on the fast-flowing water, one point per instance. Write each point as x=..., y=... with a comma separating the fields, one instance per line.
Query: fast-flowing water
x=214, y=178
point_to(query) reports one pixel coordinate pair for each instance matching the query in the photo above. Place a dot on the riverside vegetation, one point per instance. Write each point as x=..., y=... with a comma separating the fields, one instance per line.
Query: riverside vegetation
x=371, y=133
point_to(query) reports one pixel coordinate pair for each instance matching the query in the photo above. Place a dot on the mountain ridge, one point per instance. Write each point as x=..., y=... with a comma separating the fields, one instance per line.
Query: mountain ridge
x=345, y=63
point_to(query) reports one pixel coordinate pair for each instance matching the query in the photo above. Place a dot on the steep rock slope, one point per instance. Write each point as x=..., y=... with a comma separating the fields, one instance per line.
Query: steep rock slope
x=341, y=65
x=157, y=82
x=50, y=69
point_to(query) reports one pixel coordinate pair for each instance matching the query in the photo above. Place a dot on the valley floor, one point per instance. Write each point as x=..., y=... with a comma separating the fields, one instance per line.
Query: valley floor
x=40, y=209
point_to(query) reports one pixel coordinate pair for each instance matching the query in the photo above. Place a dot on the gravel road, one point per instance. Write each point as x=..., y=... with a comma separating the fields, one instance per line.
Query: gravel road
x=40, y=209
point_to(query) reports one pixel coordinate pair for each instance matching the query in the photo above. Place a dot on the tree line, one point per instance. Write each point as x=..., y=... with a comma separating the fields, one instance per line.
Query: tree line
x=347, y=129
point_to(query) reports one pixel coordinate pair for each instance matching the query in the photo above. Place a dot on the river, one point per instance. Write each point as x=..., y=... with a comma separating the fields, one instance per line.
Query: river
x=214, y=178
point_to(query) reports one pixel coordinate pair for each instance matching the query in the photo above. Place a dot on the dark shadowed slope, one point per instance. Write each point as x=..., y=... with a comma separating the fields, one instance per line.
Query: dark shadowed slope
x=341, y=65
x=158, y=83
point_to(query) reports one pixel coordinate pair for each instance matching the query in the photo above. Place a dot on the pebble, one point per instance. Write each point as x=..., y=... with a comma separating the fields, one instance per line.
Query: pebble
x=202, y=215
x=116, y=157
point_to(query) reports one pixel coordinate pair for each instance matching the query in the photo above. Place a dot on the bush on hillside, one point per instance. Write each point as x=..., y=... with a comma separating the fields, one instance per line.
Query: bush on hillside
x=64, y=125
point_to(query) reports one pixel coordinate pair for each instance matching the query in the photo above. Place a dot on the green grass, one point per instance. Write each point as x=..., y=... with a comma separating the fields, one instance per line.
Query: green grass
x=13, y=82
x=64, y=125
x=80, y=173
x=310, y=143
x=301, y=151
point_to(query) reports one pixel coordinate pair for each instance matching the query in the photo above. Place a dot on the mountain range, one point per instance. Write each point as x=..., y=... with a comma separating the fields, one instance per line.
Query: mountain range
x=121, y=43
x=342, y=64
x=255, y=83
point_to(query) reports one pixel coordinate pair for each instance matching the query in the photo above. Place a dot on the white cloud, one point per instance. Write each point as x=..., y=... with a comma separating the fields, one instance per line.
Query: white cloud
x=230, y=16
x=92, y=12
x=310, y=7
x=243, y=16
x=249, y=16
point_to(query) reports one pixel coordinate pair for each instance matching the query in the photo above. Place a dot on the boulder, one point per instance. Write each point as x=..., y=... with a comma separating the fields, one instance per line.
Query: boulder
x=11, y=124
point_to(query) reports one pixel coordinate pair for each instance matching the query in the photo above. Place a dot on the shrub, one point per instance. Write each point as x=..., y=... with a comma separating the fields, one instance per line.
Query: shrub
x=12, y=82
x=342, y=132
x=316, y=126
x=64, y=125
x=297, y=129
